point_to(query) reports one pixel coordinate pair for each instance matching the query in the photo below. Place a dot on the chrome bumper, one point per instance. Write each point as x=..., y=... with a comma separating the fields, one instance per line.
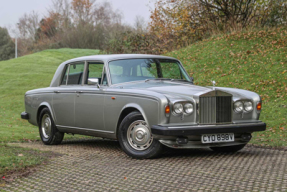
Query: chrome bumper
x=207, y=129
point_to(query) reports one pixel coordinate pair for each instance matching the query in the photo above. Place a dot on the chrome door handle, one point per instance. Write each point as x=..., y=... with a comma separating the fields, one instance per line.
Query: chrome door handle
x=56, y=91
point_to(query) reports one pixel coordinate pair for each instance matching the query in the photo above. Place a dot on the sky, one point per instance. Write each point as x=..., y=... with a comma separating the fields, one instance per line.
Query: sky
x=12, y=10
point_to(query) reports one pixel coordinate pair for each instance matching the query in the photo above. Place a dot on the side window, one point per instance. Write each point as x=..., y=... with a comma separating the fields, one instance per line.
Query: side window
x=95, y=71
x=64, y=81
x=73, y=74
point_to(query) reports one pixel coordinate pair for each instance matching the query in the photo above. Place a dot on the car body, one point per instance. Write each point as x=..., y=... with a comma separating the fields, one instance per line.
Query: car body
x=144, y=101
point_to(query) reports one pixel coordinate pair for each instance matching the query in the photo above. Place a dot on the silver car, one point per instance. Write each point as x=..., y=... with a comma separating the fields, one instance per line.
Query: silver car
x=144, y=102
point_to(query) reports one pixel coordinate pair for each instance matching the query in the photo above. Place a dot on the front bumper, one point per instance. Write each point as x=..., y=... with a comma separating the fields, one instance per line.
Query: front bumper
x=207, y=129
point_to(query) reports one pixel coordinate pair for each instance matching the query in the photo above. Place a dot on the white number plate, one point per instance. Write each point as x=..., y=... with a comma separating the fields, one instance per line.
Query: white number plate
x=217, y=138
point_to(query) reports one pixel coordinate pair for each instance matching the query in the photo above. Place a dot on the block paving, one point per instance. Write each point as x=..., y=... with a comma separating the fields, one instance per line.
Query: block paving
x=100, y=165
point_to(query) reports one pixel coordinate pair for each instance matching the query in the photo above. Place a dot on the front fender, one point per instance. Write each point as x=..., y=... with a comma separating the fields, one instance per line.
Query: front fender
x=139, y=108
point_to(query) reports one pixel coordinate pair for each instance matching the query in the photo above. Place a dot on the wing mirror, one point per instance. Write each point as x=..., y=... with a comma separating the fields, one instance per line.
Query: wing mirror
x=93, y=81
x=192, y=79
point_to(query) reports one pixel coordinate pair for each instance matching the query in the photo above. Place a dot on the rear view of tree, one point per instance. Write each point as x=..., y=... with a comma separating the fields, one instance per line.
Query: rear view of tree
x=7, y=50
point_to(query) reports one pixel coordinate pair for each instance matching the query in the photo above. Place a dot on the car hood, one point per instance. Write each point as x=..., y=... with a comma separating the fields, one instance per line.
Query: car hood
x=177, y=89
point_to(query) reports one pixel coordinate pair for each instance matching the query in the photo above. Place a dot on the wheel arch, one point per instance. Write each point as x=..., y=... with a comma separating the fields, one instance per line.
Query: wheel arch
x=127, y=109
x=41, y=107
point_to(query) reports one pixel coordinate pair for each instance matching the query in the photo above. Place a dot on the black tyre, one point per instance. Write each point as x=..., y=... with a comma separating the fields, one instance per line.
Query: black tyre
x=136, y=139
x=48, y=131
x=229, y=149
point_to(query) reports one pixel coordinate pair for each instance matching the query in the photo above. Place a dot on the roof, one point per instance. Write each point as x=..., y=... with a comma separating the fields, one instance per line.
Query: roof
x=106, y=58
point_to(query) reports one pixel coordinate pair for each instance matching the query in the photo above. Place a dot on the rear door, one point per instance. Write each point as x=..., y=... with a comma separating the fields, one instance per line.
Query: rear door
x=64, y=95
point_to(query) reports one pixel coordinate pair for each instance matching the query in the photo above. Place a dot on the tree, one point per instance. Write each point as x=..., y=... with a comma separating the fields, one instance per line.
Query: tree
x=7, y=47
x=48, y=27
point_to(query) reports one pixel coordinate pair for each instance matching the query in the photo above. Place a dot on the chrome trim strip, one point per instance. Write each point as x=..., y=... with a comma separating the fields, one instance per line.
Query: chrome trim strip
x=85, y=129
x=196, y=125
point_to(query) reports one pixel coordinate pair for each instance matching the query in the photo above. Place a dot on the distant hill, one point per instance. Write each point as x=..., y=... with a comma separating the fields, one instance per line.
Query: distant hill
x=254, y=60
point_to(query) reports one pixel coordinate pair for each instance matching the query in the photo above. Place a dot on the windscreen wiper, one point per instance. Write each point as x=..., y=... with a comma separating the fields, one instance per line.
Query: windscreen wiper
x=181, y=80
x=159, y=79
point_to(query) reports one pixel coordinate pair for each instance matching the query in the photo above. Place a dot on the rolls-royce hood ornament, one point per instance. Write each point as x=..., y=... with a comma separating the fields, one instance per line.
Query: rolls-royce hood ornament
x=213, y=83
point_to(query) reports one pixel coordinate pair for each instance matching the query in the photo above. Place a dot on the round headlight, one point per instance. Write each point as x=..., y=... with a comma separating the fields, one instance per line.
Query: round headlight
x=188, y=108
x=238, y=106
x=248, y=106
x=178, y=108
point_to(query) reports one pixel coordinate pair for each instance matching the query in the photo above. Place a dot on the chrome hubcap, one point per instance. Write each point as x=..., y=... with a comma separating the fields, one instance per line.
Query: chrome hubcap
x=46, y=126
x=139, y=135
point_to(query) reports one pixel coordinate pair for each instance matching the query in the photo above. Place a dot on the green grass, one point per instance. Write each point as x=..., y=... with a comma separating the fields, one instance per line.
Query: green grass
x=20, y=75
x=16, y=77
x=252, y=60
x=16, y=158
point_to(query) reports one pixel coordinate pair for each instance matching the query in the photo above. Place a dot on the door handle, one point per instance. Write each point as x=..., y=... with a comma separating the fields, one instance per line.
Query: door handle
x=79, y=91
x=56, y=91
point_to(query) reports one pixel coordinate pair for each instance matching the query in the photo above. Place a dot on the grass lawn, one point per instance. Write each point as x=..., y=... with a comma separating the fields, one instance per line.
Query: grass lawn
x=16, y=77
x=254, y=60
x=15, y=160
x=20, y=75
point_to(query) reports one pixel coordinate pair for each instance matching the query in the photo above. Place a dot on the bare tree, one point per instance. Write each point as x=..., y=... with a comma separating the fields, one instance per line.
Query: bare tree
x=140, y=24
x=28, y=25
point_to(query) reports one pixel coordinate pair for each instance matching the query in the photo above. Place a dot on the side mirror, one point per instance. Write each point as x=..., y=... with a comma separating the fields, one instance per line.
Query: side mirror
x=192, y=79
x=93, y=81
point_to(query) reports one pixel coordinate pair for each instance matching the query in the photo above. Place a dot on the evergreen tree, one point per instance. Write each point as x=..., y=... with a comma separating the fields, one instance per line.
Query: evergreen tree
x=7, y=46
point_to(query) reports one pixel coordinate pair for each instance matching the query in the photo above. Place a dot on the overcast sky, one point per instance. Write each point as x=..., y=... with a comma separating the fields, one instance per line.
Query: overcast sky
x=11, y=10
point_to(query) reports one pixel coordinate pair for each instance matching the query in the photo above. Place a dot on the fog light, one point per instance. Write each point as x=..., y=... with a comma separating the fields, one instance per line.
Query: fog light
x=181, y=140
x=246, y=137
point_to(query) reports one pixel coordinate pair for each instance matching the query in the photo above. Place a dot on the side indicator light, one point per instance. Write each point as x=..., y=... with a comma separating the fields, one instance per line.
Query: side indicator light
x=113, y=98
x=167, y=109
x=259, y=106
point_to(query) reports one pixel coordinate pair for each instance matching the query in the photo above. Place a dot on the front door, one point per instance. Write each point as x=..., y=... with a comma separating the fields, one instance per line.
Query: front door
x=89, y=100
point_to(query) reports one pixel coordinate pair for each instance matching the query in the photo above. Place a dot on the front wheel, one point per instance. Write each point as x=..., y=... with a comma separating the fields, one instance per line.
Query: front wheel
x=136, y=139
x=233, y=148
x=48, y=131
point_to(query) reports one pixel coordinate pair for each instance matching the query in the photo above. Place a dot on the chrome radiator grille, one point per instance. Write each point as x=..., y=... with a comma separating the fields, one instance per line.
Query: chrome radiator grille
x=216, y=109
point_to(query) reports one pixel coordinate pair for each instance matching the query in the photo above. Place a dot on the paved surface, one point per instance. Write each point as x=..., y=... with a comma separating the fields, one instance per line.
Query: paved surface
x=100, y=165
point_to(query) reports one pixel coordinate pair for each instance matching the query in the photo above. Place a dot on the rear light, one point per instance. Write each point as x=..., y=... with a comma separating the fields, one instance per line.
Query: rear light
x=258, y=107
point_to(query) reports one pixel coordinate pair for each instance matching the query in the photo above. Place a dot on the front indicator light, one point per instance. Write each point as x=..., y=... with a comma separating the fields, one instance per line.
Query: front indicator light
x=188, y=108
x=167, y=109
x=259, y=106
x=248, y=106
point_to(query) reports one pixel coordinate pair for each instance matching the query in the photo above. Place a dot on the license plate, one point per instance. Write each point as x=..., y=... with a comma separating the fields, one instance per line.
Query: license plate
x=217, y=138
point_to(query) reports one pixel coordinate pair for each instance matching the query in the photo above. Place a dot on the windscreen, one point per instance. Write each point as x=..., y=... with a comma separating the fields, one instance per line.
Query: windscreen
x=128, y=70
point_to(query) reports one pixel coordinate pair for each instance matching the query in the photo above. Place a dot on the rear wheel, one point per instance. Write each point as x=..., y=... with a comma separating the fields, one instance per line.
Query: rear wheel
x=136, y=139
x=233, y=148
x=48, y=131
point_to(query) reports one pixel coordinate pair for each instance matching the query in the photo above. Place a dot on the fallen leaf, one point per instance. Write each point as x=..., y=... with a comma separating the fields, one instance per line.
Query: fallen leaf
x=20, y=155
